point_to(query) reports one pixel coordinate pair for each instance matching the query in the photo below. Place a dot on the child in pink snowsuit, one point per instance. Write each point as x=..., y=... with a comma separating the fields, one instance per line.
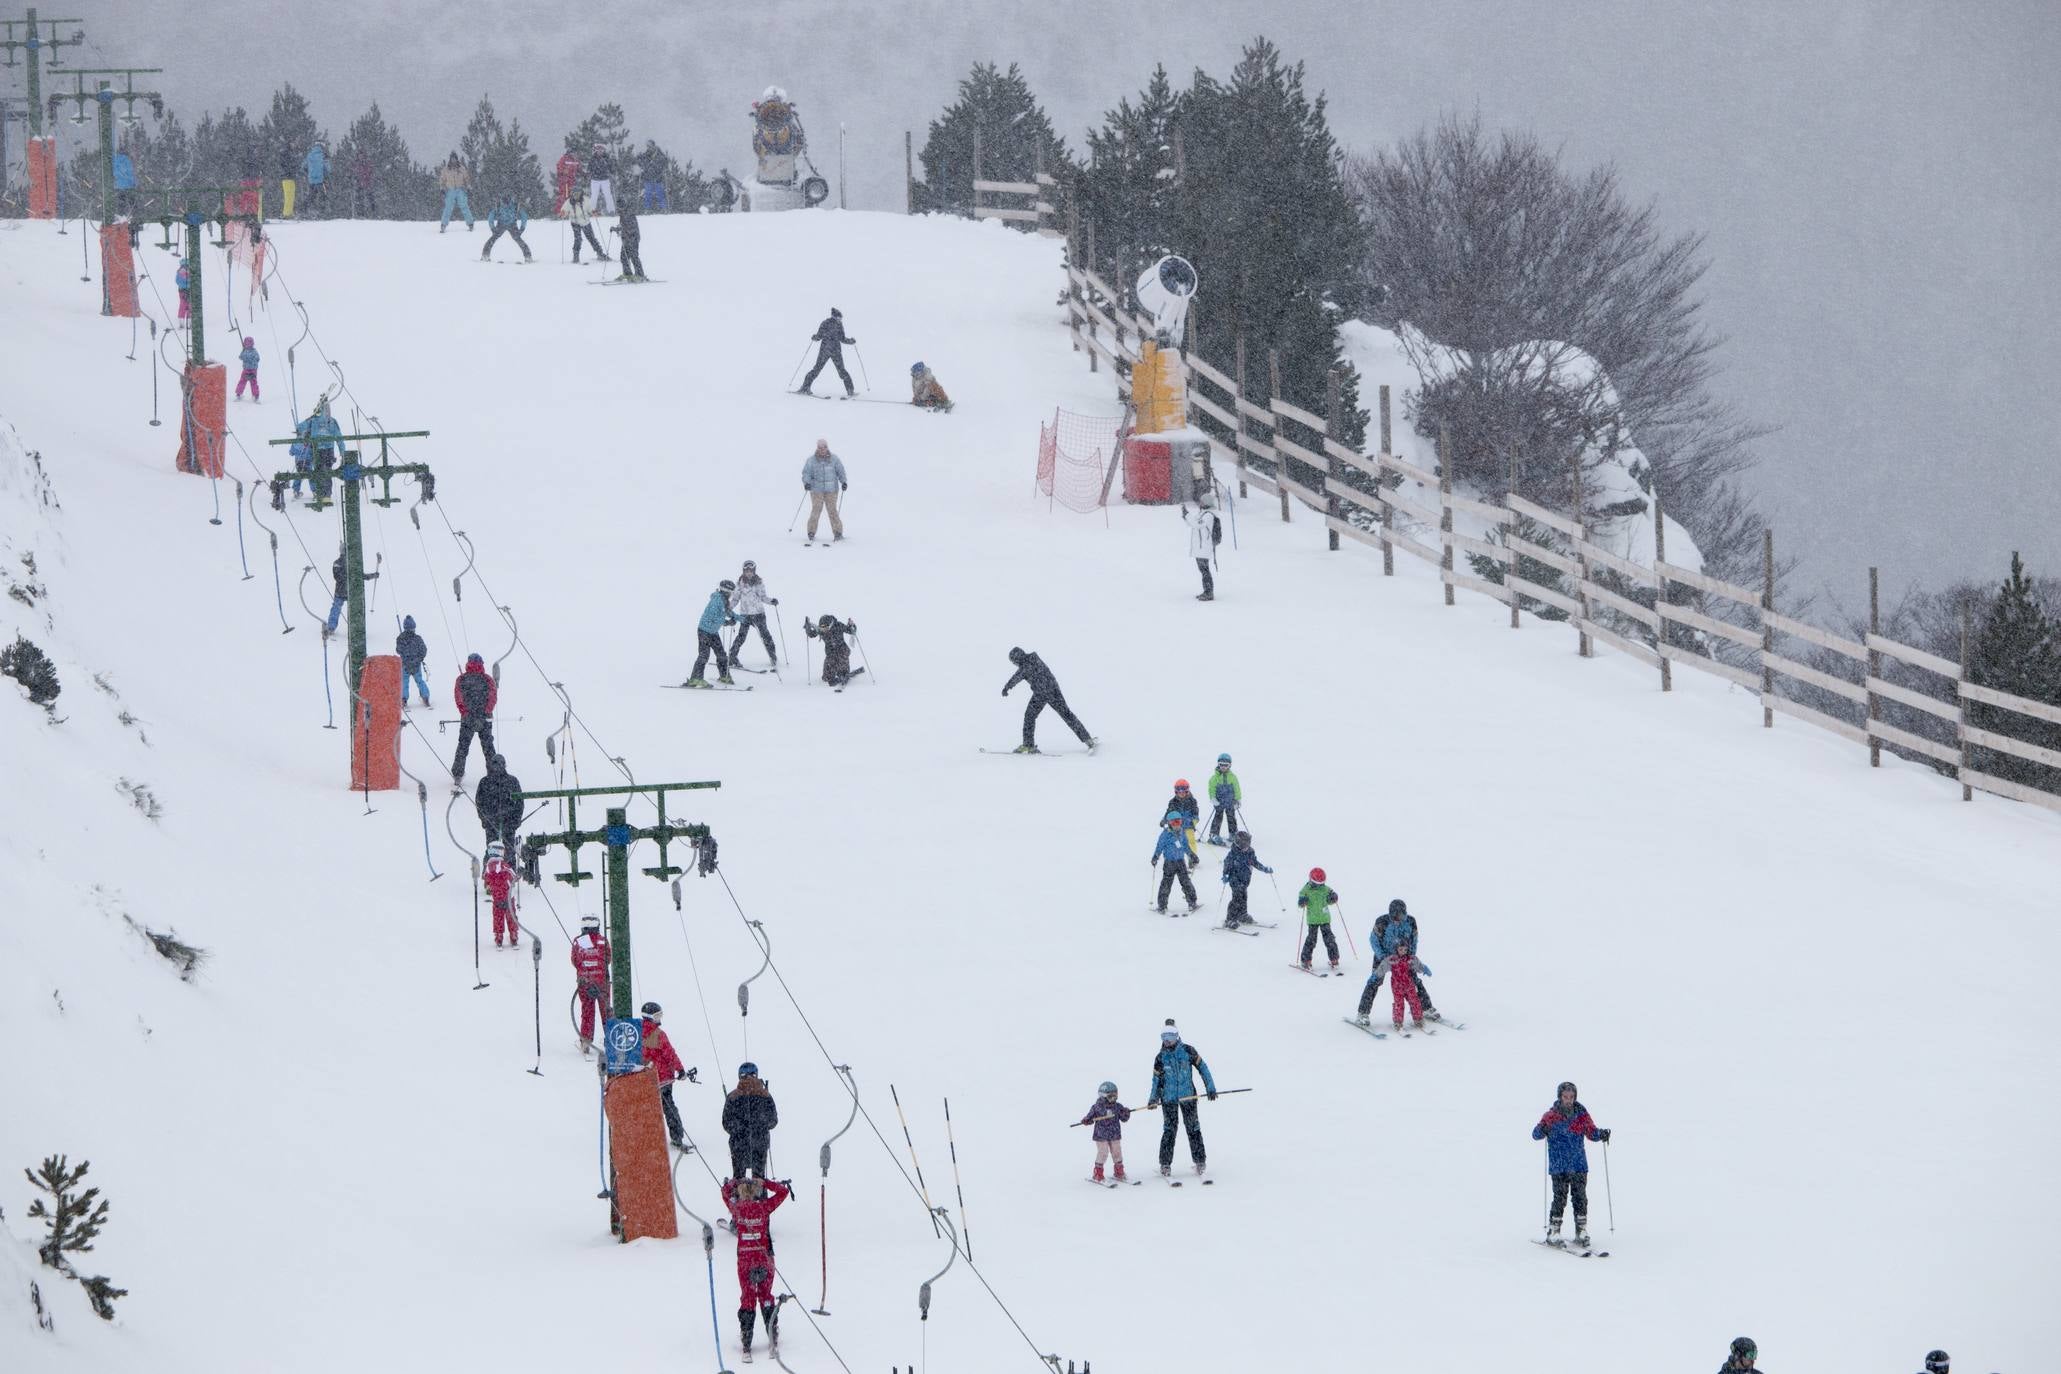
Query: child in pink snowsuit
x=249, y=357
x=499, y=880
x=1397, y=967
x=1107, y=1116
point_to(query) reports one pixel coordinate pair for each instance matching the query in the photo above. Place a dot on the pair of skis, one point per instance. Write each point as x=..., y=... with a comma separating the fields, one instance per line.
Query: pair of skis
x=1251, y=928
x=1572, y=1249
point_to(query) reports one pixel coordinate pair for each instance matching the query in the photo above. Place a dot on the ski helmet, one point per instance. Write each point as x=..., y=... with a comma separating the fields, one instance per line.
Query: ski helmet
x=1742, y=1346
x=653, y=1010
x=475, y=661
x=407, y=622
x=494, y=850
x=1316, y=875
x=1169, y=1036
x=1936, y=1362
x=1570, y=1088
x=1180, y=784
x=1223, y=758
x=590, y=922
x=747, y=1070
x=916, y=369
x=1397, y=908
x=727, y=585
x=1108, y=1089
x=750, y=566
x=1174, y=818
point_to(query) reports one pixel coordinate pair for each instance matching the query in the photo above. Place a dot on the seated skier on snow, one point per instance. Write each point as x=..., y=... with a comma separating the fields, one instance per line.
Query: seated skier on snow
x=925, y=390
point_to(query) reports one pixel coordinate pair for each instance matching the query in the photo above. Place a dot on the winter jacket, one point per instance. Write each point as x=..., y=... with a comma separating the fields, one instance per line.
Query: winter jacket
x=508, y=215
x=567, y=168
x=249, y=359
x=1389, y=963
x=183, y=279
x=499, y=797
x=926, y=390
x=1173, y=1071
x=499, y=880
x=834, y=646
x=124, y=173
x=1563, y=1130
x=1187, y=806
x=716, y=614
x=601, y=165
x=1033, y=670
x=1315, y=899
x=750, y=597
x=1172, y=845
x=577, y=209
x=823, y=472
x=590, y=962
x=316, y=165
x=830, y=334
x=752, y=1222
x=336, y=578
x=1201, y=531
x=1108, y=1119
x=749, y=1115
x=1239, y=861
x=412, y=650
x=1391, y=933
x=475, y=692
x=659, y=1053
x=454, y=178
x=313, y=430
x=1223, y=787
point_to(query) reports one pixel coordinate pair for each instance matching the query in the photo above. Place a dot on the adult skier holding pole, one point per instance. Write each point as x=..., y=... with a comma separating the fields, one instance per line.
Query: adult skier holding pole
x=1173, y=1092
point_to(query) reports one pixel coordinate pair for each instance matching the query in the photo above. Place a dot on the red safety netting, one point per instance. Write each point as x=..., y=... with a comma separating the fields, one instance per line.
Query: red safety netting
x=1074, y=459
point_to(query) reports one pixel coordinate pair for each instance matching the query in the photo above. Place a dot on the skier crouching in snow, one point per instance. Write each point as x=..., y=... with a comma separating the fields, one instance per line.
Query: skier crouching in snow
x=1564, y=1126
x=1237, y=872
x=752, y=1203
x=708, y=636
x=1107, y=1116
x=499, y=880
x=1044, y=692
x=1171, y=854
x=590, y=974
x=1393, y=930
x=1316, y=901
x=925, y=389
x=1173, y=1092
x=837, y=655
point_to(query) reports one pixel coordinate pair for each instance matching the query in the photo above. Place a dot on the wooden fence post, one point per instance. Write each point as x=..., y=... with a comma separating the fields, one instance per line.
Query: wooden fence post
x=1584, y=643
x=1874, y=665
x=1961, y=699
x=1767, y=631
x=1667, y=667
x=1387, y=511
x=1094, y=361
x=1509, y=585
x=1332, y=430
x=908, y=172
x=975, y=208
x=1280, y=459
x=1445, y=512
x=1238, y=399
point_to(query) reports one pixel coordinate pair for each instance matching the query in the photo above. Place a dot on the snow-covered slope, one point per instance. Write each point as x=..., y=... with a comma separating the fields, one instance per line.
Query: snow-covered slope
x=1810, y=998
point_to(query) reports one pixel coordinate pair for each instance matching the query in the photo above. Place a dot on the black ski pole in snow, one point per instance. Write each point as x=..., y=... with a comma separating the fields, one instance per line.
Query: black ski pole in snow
x=1609, y=1203
x=797, y=510
x=477, y=981
x=862, y=369
x=1277, y=892
x=803, y=362
x=537, y=997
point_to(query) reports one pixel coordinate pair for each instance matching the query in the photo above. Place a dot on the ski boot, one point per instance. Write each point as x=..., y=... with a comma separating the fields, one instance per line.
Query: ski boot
x=1096, y=1177
x=1204, y=596
x=1025, y=749
x=725, y=679
x=1194, y=907
x=1417, y=1023
x=695, y=682
x=1305, y=966
x=1581, y=1232
x=1360, y=1021
x=1200, y=1168
x=1432, y=1014
x=1553, y=1232
x=1119, y=1175
x=1166, y=1171
x=1334, y=966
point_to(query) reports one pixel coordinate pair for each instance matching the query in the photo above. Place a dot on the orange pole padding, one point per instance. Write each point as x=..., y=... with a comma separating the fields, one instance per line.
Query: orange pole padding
x=118, y=271
x=42, y=167
x=206, y=418
x=637, y=1147
x=376, y=726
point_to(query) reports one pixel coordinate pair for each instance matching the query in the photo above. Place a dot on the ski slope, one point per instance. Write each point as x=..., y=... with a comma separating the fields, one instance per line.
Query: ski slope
x=1811, y=999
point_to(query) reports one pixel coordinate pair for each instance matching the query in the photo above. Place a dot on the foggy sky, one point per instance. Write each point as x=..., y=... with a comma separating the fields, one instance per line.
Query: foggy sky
x=1878, y=182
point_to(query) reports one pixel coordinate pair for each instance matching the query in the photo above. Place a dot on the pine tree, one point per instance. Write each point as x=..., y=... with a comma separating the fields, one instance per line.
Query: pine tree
x=1127, y=189
x=287, y=132
x=400, y=187
x=608, y=127
x=2016, y=650
x=73, y=1220
x=1016, y=138
x=226, y=149
x=501, y=162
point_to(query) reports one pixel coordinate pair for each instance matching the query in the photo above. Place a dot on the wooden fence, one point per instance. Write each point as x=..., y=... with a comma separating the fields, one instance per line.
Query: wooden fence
x=1663, y=615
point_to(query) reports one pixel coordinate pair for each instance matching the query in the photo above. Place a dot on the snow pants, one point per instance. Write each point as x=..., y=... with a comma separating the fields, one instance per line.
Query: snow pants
x=837, y=665
x=1309, y=943
x=1227, y=817
x=1404, y=985
x=674, y=1127
x=1373, y=987
x=654, y=196
x=1236, y=914
x=287, y=188
x=1209, y=586
x=455, y=199
x=487, y=249
x=707, y=643
x=747, y=1157
x=820, y=504
x=587, y=231
x=249, y=378
x=336, y=607
x=468, y=726
x=593, y=999
x=504, y=913
x=502, y=828
x=633, y=255
x=1113, y=1150
x=768, y=1308
x=1169, y=870
x=419, y=680
x=1059, y=708
x=745, y=624
x=1578, y=1184
x=601, y=195
x=833, y=357
x=1172, y=1113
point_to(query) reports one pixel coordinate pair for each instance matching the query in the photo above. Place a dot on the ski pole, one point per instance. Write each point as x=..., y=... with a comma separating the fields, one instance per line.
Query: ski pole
x=860, y=644
x=783, y=633
x=537, y=997
x=1191, y=1097
x=1349, y=940
x=966, y=1231
x=1546, y=1188
x=922, y=1187
x=1277, y=892
x=862, y=368
x=477, y=981
x=1609, y=1203
x=797, y=510
x=798, y=366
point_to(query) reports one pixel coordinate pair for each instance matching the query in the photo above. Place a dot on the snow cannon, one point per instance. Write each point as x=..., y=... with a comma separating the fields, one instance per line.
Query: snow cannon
x=1164, y=290
x=781, y=147
x=1165, y=461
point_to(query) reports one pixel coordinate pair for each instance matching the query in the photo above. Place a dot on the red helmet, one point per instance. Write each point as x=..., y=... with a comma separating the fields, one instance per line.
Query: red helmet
x=1316, y=875
x=1180, y=784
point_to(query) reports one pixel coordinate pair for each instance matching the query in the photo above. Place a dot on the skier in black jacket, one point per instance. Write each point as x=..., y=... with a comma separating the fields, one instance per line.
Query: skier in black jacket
x=830, y=338
x=749, y=1117
x=499, y=800
x=413, y=654
x=1741, y=1360
x=837, y=655
x=1044, y=692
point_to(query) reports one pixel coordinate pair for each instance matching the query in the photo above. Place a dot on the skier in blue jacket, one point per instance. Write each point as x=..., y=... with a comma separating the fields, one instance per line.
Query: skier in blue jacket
x=1173, y=1092
x=709, y=636
x=823, y=478
x=1394, y=931
x=313, y=431
x=507, y=218
x=316, y=165
x=1172, y=853
x=1564, y=1127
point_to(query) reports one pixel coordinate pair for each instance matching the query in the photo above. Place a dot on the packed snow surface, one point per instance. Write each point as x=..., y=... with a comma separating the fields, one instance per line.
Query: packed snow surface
x=1813, y=1000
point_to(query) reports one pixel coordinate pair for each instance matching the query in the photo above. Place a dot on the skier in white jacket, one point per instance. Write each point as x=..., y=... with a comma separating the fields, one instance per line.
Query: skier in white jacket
x=748, y=603
x=1201, y=519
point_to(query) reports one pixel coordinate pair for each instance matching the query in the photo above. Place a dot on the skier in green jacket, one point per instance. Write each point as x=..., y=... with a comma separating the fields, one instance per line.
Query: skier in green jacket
x=1316, y=901
x=1228, y=796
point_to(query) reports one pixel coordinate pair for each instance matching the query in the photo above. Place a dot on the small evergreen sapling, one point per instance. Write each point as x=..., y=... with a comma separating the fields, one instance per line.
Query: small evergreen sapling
x=74, y=1219
x=31, y=667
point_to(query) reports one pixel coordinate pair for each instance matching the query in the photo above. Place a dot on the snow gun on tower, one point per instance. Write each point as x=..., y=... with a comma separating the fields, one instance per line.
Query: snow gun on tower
x=1165, y=461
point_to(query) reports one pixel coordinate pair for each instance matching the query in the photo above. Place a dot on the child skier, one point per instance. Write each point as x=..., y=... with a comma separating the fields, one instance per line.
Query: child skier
x=1107, y=1116
x=583, y=227
x=633, y=239
x=1184, y=802
x=183, y=280
x=749, y=605
x=837, y=655
x=1228, y=796
x=1172, y=853
x=499, y=880
x=249, y=358
x=413, y=654
x=1393, y=930
x=925, y=389
x=1564, y=1126
x=314, y=434
x=590, y=973
x=752, y=1203
x=708, y=636
x=1316, y=901
x=1237, y=871
x=1403, y=968
x=661, y=1058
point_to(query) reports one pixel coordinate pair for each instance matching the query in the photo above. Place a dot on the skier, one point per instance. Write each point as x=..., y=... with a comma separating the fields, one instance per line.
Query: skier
x=1936, y=1362
x=1394, y=929
x=1184, y=802
x=499, y=801
x=249, y=358
x=601, y=180
x=182, y=280
x=653, y=176
x=506, y=218
x=1173, y=1092
x=749, y=606
x=823, y=478
x=583, y=227
x=633, y=238
x=1172, y=853
x=475, y=693
x=338, y=596
x=1237, y=871
x=413, y=653
x=1316, y=900
x=1564, y=1126
x=1044, y=692
x=752, y=1202
x=499, y=880
x=660, y=1057
x=837, y=655
x=925, y=389
x=708, y=636
x=1406, y=973
x=590, y=973
x=1228, y=796
x=125, y=185
x=749, y=1117
x=314, y=433
x=1743, y=1354
x=1107, y=1116
x=1205, y=532
x=831, y=339
x=316, y=165
x=567, y=176
x=454, y=178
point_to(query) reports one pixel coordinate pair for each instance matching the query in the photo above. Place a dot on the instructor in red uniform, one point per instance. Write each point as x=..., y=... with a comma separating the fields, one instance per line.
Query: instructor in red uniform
x=752, y=1202
x=590, y=971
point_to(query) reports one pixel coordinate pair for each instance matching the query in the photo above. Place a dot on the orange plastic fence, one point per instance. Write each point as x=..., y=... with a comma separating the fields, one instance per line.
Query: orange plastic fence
x=637, y=1146
x=376, y=726
x=205, y=420
x=42, y=168
x=117, y=271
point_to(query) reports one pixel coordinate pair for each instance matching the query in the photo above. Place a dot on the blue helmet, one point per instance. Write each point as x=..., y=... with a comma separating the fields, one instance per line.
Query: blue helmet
x=747, y=1070
x=916, y=369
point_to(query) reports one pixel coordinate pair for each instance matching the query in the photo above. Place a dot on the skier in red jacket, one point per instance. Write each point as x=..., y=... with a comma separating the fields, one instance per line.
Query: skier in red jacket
x=499, y=880
x=475, y=693
x=590, y=971
x=568, y=176
x=751, y=1202
x=660, y=1056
